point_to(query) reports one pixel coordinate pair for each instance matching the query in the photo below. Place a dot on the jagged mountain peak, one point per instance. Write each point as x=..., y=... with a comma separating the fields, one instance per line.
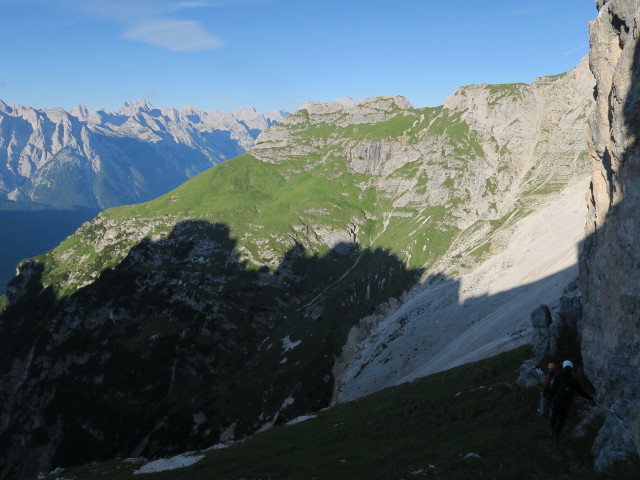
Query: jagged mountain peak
x=131, y=108
x=347, y=102
x=276, y=115
x=250, y=117
x=182, y=142
x=192, y=109
x=382, y=104
x=35, y=116
x=242, y=111
x=85, y=113
x=58, y=114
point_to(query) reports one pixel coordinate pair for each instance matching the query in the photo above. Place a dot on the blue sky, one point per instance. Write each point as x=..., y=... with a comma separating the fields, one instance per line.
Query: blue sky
x=276, y=54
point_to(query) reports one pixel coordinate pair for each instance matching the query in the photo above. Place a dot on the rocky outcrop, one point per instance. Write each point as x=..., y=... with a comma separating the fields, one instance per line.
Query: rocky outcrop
x=101, y=159
x=449, y=321
x=610, y=332
x=531, y=143
x=555, y=327
x=180, y=346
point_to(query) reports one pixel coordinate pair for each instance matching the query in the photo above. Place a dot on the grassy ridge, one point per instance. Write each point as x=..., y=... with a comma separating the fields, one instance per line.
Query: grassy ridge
x=263, y=205
x=312, y=196
x=422, y=429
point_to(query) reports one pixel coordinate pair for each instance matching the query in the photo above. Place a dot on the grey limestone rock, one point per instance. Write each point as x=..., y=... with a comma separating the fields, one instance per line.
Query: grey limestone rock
x=101, y=159
x=555, y=327
x=616, y=440
x=530, y=374
x=610, y=332
x=541, y=321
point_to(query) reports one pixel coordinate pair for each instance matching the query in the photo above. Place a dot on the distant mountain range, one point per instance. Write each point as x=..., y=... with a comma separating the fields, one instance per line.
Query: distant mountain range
x=100, y=159
x=59, y=169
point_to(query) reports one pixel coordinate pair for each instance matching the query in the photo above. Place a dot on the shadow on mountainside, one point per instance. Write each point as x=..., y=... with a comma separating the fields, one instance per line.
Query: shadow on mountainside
x=182, y=346
x=178, y=347
x=437, y=329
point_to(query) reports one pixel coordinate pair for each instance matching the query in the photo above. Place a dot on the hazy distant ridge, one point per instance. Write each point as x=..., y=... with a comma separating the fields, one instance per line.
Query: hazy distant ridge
x=101, y=159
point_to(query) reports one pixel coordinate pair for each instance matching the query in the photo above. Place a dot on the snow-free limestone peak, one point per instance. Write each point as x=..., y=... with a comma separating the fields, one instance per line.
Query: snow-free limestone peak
x=133, y=154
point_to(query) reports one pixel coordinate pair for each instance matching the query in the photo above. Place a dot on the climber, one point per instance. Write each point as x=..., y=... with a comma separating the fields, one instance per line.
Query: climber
x=552, y=372
x=561, y=397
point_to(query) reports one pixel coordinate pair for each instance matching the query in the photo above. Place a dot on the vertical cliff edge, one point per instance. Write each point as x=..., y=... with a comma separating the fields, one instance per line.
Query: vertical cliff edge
x=609, y=273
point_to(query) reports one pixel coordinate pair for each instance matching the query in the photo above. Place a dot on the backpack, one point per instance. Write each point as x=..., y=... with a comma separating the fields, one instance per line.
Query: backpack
x=563, y=389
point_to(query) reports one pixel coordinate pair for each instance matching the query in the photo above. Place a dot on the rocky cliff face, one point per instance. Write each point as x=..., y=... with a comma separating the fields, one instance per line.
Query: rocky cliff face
x=101, y=159
x=180, y=346
x=222, y=306
x=533, y=139
x=610, y=332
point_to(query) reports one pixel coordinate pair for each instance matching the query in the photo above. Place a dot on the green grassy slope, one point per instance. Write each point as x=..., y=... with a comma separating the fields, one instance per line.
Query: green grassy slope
x=267, y=205
x=418, y=430
x=263, y=209
x=411, y=183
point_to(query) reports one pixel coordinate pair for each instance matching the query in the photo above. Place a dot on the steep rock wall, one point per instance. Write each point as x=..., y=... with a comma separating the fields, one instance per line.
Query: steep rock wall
x=537, y=135
x=610, y=277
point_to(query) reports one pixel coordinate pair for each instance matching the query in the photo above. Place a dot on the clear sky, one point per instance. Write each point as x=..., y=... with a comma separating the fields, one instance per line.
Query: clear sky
x=277, y=54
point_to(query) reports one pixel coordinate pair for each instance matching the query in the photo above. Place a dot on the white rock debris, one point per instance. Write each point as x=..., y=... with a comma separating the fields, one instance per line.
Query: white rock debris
x=163, y=464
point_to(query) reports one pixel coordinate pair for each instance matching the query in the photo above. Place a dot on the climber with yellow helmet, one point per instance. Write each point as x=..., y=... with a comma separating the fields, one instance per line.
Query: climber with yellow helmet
x=561, y=397
x=552, y=372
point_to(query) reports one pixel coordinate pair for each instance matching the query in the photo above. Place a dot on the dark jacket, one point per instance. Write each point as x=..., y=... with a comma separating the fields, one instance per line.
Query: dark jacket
x=548, y=381
x=562, y=388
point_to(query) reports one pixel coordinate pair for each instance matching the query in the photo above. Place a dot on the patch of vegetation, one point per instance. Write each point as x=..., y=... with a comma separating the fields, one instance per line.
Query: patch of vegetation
x=503, y=168
x=404, y=122
x=547, y=187
x=499, y=92
x=422, y=430
x=394, y=127
x=422, y=239
x=505, y=88
x=443, y=121
x=480, y=251
x=490, y=186
x=408, y=170
x=319, y=130
x=510, y=218
x=583, y=157
x=447, y=183
x=464, y=141
x=553, y=78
